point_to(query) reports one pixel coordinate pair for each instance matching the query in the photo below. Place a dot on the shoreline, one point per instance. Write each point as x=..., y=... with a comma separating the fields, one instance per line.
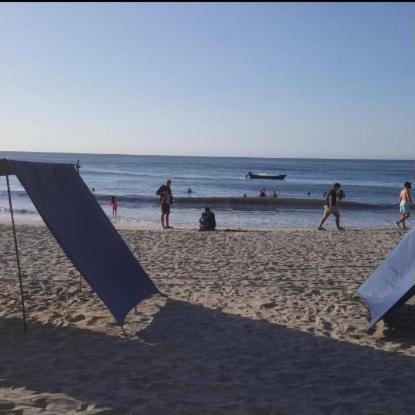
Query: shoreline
x=149, y=227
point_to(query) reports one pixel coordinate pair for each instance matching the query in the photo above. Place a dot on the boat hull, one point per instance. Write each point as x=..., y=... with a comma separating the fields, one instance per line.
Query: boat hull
x=259, y=176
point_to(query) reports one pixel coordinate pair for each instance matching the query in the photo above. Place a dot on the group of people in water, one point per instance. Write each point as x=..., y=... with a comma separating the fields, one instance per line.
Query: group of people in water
x=207, y=221
x=263, y=193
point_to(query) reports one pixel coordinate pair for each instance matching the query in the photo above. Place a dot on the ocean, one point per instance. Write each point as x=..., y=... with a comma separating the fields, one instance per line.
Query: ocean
x=134, y=180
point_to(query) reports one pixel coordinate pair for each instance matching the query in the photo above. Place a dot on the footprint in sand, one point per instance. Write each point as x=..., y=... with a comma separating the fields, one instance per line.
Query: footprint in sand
x=271, y=304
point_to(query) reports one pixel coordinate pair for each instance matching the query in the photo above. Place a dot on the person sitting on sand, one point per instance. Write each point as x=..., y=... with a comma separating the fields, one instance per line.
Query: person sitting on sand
x=189, y=191
x=404, y=201
x=262, y=193
x=207, y=221
x=331, y=207
x=114, y=205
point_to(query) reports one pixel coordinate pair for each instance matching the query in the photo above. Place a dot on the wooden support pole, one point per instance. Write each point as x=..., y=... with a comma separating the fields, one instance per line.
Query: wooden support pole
x=17, y=255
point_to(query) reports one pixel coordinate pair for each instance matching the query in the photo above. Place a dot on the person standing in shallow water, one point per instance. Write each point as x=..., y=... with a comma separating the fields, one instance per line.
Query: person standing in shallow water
x=114, y=205
x=166, y=199
x=331, y=206
x=404, y=201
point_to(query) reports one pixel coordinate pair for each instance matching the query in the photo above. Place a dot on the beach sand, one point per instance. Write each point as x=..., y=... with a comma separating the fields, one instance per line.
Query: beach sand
x=256, y=322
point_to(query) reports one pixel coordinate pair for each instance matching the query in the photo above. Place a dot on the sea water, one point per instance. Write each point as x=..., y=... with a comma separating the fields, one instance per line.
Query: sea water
x=134, y=179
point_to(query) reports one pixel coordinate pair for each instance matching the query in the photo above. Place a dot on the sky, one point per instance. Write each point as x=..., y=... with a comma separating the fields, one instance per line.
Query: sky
x=329, y=80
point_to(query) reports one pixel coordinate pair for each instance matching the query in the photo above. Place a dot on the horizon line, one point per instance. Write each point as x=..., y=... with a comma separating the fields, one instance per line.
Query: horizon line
x=199, y=156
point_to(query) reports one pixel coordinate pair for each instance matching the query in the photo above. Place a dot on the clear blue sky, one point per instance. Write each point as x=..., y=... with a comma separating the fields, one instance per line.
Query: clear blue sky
x=226, y=79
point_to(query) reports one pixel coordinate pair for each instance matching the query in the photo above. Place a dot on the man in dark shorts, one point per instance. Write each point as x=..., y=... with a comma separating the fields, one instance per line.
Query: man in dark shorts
x=166, y=199
x=331, y=206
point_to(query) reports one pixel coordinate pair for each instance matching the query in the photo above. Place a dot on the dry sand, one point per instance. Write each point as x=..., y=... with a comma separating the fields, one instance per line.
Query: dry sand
x=257, y=322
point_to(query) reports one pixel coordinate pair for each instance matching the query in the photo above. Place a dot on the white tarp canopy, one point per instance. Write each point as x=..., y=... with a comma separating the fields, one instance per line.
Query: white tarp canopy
x=393, y=282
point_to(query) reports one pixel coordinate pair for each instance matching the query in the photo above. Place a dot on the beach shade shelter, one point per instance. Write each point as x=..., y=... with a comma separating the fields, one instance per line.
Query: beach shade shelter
x=393, y=282
x=83, y=231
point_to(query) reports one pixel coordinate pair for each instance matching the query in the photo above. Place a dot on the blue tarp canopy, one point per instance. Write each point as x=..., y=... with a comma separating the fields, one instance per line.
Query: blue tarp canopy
x=393, y=282
x=84, y=232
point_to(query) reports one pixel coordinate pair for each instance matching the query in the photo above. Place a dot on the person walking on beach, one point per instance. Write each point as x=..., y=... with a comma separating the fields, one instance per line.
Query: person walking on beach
x=404, y=201
x=166, y=199
x=330, y=206
x=114, y=205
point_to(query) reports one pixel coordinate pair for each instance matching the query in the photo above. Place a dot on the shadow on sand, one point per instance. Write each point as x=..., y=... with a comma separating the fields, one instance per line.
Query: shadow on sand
x=400, y=325
x=194, y=360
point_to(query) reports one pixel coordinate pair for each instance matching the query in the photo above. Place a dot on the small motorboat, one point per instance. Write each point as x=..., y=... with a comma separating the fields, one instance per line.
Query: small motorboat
x=251, y=175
